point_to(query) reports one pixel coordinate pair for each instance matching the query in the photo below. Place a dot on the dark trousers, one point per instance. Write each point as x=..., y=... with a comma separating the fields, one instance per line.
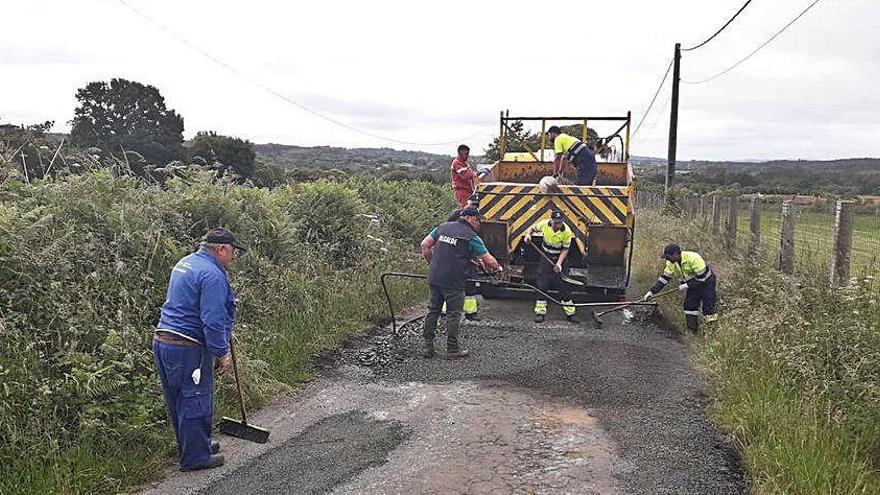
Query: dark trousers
x=701, y=294
x=190, y=405
x=585, y=162
x=454, y=299
x=550, y=280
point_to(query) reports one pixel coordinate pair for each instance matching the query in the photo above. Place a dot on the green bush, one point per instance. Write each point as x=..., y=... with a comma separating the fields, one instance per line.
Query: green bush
x=84, y=264
x=794, y=367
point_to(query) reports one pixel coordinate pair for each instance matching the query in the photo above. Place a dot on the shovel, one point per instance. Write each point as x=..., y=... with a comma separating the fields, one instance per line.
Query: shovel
x=597, y=323
x=241, y=429
x=565, y=278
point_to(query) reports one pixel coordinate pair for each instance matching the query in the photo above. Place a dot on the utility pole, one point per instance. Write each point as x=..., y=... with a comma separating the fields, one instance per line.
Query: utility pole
x=673, y=118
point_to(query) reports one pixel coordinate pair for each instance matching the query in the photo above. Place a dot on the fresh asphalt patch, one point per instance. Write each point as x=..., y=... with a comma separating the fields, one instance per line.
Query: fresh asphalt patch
x=325, y=455
x=537, y=408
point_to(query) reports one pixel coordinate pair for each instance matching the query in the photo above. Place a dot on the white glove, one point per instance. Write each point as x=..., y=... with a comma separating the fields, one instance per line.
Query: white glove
x=683, y=287
x=648, y=295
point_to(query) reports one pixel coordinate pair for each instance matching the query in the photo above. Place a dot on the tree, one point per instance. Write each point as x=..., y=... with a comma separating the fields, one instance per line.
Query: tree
x=26, y=151
x=521, y=140
x=223, y=152
x=130, y=116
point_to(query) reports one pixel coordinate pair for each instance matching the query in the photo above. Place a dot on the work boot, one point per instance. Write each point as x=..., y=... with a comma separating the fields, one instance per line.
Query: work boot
x=215, y=462
x=572, y=319
x=692, y=322
x=456, y=353
x=215, y=446
x=472, y=317
x=428, y=349
x=539, y=318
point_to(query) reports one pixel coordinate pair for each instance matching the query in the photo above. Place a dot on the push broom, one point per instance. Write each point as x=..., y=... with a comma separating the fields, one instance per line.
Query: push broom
x=241, y=429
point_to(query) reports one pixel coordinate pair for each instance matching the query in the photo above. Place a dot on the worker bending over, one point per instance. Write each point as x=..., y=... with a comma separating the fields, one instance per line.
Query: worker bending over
x=449, y=249
x=697, y=279
x=463, y=177
x=556, y=239
x=571, y=149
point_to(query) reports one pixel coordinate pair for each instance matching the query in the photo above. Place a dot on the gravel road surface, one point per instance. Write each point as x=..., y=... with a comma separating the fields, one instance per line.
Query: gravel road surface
x=549, y=408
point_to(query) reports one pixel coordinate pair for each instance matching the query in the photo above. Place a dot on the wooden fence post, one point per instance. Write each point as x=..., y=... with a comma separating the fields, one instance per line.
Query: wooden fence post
x=786, y=248
x=732, y=214
x=703, y=206
x=755, y=228
x=716, y=215
x=841, y=255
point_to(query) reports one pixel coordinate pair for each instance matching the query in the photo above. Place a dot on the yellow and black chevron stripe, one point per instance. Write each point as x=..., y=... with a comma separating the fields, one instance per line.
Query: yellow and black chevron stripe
x=520, y=206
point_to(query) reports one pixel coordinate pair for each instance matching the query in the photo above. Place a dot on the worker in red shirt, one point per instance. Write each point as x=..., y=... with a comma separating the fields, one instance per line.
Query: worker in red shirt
x=462, y=176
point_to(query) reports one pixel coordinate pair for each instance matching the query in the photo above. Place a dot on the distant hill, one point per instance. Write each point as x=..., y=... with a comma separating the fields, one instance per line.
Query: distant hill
x=843, y=177
x=327, y=157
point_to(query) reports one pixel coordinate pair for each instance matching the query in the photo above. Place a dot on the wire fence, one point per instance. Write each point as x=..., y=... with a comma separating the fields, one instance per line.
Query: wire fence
x=841, y=238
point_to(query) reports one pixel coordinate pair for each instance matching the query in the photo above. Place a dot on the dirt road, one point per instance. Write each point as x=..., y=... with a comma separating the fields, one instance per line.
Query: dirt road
x=550, y=408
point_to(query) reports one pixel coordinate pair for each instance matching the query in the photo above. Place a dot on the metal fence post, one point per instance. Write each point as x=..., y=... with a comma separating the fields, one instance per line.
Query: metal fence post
x=732, y=214
x=755, y=228
x=841, y=255
x=786, y=248
x=716, y=215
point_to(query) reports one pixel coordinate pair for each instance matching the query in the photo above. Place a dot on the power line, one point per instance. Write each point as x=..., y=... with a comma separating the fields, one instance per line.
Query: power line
x=756, y=50
x=654, y=123
x=275, y=93
x=654, y=99
x=722, y=28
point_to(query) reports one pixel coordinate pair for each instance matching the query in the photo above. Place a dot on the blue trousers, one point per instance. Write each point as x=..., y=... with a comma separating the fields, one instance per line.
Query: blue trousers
x=585, y=162
x=190, y=404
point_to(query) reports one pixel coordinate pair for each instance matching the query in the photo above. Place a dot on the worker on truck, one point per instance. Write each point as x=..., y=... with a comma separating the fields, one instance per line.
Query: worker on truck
x=470, y=307
x=697, y=279
x=463, y=177
x=571, y=149
x=449, y=249
x=556, y=239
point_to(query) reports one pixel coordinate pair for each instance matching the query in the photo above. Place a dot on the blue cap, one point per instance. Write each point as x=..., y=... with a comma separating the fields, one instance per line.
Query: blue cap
x=470, y=211
x=223, y=236
x=557, y=216
x=670, y=250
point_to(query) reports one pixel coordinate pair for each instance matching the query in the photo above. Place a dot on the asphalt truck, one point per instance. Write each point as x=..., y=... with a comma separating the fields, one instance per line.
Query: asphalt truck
x=602, y=215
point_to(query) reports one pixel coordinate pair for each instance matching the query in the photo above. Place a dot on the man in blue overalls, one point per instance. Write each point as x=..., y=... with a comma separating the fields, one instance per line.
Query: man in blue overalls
x=191, y=340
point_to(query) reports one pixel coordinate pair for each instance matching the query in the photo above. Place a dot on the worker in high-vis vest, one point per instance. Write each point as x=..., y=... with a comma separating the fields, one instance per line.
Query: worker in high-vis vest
x=556, y=239
x=470, y=293
x=449, y=249
x=697, y=279
x=571, y=149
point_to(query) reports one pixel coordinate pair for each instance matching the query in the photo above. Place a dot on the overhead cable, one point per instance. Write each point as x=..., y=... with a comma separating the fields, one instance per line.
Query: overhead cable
x=756, y=50
x=275, y=93
x=710, y=38
x=654, y=99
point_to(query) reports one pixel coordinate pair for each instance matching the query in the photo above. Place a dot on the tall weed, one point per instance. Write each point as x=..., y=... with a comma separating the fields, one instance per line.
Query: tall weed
x=794, y=366
x=84, y=262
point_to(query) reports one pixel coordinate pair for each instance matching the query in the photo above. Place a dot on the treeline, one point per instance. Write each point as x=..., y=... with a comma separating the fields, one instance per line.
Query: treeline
x=842, y=178
x=127, y=126
x=307, y=163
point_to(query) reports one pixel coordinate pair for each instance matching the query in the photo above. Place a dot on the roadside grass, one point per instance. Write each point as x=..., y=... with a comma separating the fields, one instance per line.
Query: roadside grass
x=794, y=368
x=84, y=263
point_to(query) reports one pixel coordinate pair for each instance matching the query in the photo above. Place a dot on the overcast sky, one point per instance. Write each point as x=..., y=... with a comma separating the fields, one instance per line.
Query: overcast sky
x=435, y=72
